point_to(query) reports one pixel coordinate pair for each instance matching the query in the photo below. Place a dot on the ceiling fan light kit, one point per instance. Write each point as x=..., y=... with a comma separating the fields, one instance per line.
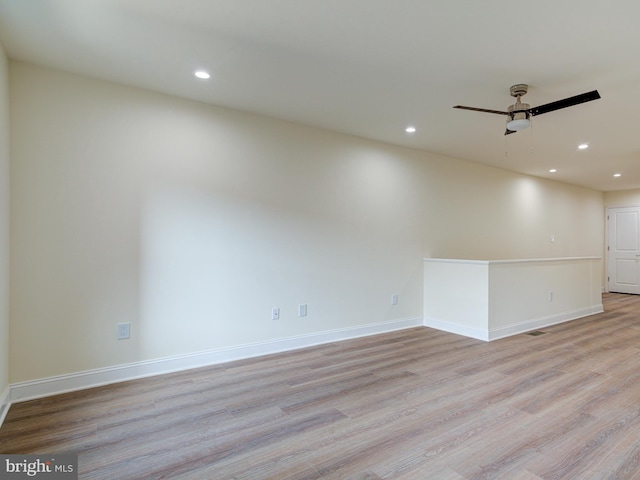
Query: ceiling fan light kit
x=519, y=114
x=519, y=120
x=518, y=124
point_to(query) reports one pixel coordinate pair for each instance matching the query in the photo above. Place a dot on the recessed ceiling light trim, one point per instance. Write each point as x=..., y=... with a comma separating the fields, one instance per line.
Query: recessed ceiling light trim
x=583, y=146
x=410, y=129
x=552, y=170
x=616, y=175
x=202, y=74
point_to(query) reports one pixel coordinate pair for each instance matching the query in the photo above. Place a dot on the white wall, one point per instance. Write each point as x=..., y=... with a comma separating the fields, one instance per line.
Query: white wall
x=493, y=299
x=192, y=222
x=622, y=198
x=4, y=226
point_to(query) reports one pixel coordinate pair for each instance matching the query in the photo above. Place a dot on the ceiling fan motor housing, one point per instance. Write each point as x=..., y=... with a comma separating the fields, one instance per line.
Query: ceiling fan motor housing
x=519, y=111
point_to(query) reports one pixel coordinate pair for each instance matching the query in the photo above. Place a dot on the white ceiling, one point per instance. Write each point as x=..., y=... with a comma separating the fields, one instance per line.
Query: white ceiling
x=372, y=67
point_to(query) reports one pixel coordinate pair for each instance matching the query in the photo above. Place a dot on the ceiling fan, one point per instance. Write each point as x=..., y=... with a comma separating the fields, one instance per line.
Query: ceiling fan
x=519, y=114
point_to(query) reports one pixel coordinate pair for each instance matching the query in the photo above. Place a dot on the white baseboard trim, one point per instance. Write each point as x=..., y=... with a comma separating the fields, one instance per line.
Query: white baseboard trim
x=5, y=403
x=542, y=322
x=477, y=333
x=514, y=329
x=45, y=387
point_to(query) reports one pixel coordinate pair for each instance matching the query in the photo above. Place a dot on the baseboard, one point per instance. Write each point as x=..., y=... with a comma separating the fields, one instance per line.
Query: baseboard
x=477, y=333
x=5, y=403
x=45, y=387
x=514, y=329
x=538, y=323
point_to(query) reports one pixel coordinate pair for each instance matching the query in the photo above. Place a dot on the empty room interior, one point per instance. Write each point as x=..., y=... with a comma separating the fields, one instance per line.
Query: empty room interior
x=283, y=239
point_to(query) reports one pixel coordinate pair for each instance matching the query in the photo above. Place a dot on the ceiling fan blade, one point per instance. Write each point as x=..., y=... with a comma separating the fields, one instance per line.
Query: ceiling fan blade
x=509, y=132
x=485, y=110
x=567, y=102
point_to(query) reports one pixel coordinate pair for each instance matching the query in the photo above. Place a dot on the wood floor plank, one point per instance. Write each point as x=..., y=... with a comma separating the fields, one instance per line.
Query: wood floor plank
x=580, y=457
x=406, y=405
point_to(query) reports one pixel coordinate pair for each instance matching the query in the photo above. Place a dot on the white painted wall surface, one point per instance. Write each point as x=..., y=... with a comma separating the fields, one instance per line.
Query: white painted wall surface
x=456, y=296
x=520, y=292
x=4, y=230
x=622, y=198
x=192, y=222
x=493, y=299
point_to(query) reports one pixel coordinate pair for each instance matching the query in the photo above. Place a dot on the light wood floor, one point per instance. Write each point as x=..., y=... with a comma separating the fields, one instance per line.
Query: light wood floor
x=415, y=404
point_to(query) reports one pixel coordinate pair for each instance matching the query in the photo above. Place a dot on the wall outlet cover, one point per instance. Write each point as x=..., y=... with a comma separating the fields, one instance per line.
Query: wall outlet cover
x=124, y=331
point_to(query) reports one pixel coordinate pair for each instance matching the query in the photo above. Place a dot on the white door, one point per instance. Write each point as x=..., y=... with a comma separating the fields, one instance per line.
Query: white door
x=623, y=249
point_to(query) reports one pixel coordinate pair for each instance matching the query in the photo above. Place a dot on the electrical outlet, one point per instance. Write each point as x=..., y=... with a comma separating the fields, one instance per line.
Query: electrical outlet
x=394, y=299
x=275, y=313
x=550, y=296
x=124, y=331
x=302, y=310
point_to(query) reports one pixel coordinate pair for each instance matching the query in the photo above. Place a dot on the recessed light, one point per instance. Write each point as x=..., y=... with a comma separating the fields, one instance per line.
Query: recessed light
x=410, y=129
x=202, y=74
x=583, y=146
x=617, y=175
x=552, y=170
